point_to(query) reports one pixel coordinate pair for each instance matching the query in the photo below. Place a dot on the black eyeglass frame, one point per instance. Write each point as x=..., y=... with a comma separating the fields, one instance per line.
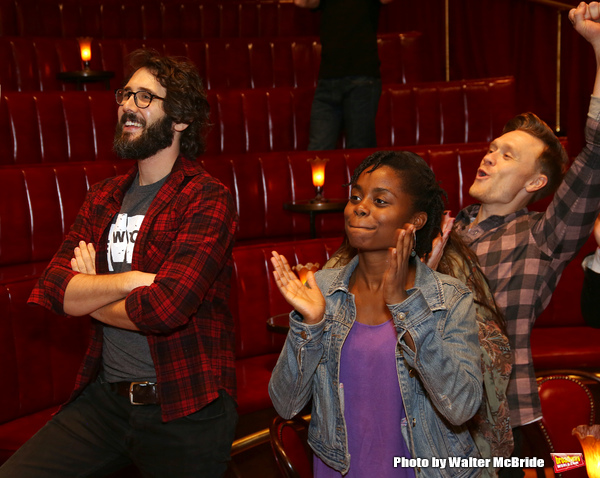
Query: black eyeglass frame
x=128, y=93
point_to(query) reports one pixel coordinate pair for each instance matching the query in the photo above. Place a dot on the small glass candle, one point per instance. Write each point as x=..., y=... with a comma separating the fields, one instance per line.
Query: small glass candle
x=589, y=437
x=302, y=270
x=318, y=176
x=85, y=46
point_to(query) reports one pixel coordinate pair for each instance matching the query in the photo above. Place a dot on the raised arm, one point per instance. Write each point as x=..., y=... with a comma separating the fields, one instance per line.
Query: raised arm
x=585, y=19
x=569, y=219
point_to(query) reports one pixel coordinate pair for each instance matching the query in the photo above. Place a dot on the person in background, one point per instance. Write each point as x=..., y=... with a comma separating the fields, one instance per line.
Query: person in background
x=149, y=258
x=490, y=426
x=591, y=283
x=349, y=83
x=385, y=347
x=523, y=253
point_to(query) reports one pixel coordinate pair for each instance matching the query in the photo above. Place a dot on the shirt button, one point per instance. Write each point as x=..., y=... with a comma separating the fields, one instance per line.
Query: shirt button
x=414, y=422
x=402, y=316
x=411, y=372
x=303, y=334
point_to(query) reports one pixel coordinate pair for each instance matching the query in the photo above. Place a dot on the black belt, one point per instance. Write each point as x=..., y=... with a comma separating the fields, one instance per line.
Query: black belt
x=138, y=393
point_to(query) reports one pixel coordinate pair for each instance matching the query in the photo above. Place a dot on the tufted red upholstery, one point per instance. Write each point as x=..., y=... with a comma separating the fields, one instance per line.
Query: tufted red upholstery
x=40, y=354
x=151, y=19
x=31, y=64
x=39, y=202
x=567, y=402
x=49, y=127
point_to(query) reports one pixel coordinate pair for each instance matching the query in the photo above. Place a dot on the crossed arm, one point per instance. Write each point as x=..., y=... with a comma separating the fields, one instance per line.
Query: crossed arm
x=101, y=296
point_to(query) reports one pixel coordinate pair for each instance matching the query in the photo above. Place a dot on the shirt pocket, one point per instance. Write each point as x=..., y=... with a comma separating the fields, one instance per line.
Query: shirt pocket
x=157, y=247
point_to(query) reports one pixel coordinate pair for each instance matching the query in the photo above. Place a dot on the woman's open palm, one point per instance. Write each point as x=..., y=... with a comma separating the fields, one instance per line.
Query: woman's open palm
x=307, y=300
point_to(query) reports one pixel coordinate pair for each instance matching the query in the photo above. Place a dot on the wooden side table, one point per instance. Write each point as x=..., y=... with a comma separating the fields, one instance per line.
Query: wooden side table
x=313, y=208
x=86, y=76
x=279, y=323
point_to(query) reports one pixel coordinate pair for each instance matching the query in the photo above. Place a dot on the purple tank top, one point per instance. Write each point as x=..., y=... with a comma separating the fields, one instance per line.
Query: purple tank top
x=373, y=404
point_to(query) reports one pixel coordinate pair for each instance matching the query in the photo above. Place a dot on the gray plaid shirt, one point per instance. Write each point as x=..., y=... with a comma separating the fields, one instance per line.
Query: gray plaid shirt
x=524, y=254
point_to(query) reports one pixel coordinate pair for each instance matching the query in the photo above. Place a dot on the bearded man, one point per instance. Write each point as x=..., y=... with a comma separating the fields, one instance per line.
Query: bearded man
x=149, y=259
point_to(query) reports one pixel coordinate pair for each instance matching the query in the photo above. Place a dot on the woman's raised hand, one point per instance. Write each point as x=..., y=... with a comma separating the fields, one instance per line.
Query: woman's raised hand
x=306, y=299
x=396, y=277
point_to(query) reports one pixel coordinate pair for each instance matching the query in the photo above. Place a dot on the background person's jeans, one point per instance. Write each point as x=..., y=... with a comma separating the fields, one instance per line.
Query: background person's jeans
x=348, y=104
x=100, y=432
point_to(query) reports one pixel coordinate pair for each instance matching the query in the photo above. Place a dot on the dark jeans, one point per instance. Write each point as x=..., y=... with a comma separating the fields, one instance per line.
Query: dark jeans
x=101, y=432
x=344, y=103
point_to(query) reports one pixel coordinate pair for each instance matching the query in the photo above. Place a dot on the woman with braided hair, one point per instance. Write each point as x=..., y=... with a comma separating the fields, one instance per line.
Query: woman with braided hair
x=386, y=348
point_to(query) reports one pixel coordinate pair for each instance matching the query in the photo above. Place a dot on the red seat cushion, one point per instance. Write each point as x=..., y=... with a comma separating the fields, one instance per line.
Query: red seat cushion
x=253, y=375
x=565, y=347
x=16, y=432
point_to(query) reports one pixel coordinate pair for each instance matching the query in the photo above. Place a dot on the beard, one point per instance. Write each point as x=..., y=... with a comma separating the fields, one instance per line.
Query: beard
x=153, y=139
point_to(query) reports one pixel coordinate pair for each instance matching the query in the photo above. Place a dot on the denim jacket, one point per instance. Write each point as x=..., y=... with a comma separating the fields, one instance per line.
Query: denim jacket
x=441, y=381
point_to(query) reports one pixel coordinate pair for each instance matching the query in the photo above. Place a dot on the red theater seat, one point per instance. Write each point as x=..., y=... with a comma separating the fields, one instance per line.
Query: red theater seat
x=32, y=63
x=149, y=19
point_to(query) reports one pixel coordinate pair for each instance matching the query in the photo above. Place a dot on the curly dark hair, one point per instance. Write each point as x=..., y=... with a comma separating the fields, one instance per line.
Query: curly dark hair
x=419, y=182
x=185, y=101
x=554, y=159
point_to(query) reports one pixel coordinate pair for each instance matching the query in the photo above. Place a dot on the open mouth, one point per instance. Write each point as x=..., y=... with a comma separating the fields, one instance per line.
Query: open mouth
x=481, y=173
x=130, y=121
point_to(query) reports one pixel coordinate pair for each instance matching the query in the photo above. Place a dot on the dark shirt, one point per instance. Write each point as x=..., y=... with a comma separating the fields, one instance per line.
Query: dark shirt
x=590, y=294
x=348, y=31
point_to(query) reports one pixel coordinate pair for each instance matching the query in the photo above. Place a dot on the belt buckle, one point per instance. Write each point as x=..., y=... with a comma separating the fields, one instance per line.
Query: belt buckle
x=131, y=385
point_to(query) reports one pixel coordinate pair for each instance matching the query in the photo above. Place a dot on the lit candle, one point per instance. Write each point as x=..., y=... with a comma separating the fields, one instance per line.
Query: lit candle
x=85, y=46
x=318, y=176
x=589, y=437
x=302, y=270
x=318, y=170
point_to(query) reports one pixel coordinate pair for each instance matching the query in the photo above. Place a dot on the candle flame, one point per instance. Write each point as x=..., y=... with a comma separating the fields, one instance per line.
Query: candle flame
x=85, y=46
x=318, y=170
x=302, y=270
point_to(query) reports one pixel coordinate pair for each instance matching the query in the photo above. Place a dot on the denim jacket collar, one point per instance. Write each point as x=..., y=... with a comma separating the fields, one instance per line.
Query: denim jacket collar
x=425, y=279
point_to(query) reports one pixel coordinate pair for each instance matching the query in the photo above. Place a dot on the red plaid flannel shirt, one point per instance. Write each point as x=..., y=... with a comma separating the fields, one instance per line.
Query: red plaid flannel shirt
x=524, y=254
x=186, y=239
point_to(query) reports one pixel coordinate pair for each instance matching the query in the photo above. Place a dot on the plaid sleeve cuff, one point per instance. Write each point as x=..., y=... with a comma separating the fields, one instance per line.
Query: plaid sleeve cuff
x=594, y=111
x=592, y=261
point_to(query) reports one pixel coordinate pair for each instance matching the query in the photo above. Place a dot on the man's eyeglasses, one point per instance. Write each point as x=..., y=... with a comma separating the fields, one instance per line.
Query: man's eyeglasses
x=142, y=98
